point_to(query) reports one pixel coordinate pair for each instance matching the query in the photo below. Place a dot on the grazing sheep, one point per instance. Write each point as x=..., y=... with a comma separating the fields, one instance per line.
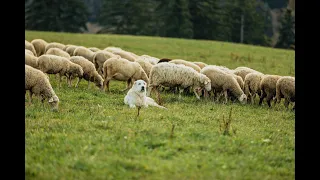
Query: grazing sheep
x=39, y=46
x=172, y=75
x=100, y=57
x=152, y=60
x=94, y=49
x=268, y=88
x=31, y=60
x=285, y=88
x=224, y=82
x=70, y=49
x=58, y=52
x=252, y=85
x=89, y=71
x=29, y=46
x=145, y=64
x=36, y=82
x=112, y=49
x=122, y=70
x=27, y=51
x=52, y=64
x=186, y=63
x=54, y=45
x=200, y=64
x=125, y=55
x=243, y=71
x=84, y=52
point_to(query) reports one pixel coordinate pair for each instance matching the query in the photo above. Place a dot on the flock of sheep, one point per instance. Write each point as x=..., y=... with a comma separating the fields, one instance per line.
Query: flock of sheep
x=113, y=63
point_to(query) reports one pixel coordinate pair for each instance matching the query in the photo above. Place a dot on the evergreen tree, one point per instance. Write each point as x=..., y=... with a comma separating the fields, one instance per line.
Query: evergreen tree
x=55, y=15
x=287, y=35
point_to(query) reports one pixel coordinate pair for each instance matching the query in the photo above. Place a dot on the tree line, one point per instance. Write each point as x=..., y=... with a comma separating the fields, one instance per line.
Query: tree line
x=241, y=21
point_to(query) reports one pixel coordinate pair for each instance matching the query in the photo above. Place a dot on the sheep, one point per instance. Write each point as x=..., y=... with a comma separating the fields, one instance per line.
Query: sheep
x=252, y=85
x=27, y=51
x=52, y=64
x=54, y=45
x=268, y=88
x=100, y=57
x=172, y=75
x=125, y=55
x=94, y=49
x=84, y=52
x=70, y=49
x=36, y=82
x=145, y=64
x=224, y=82
x=200, y=64
x=285, y=88
x=31, y=60
x=243, y=71
x=58, y=52
x=29, y=46
x=89, y=71
x=112, y=49
x=122, y=70
x=39, y=46
x=152, y=60
x=186, y=63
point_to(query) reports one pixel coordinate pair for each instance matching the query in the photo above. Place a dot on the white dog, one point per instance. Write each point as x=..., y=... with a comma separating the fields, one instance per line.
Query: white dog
x=137, y=96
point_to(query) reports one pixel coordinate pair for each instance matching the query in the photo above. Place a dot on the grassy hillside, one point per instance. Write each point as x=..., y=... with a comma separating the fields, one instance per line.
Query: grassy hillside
x=95, y=136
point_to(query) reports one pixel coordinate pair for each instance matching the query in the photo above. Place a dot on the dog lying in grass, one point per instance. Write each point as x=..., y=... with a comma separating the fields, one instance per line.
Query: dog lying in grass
x=137, y=96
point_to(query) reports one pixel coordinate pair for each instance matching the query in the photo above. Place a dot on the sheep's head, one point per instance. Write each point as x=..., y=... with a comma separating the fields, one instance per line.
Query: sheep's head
x=243, y=99
x=54, y=102
x=205, y=82
x=98, y=81
x=77, y=70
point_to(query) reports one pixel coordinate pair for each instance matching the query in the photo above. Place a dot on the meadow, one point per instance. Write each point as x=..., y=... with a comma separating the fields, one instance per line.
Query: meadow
x=94, y=135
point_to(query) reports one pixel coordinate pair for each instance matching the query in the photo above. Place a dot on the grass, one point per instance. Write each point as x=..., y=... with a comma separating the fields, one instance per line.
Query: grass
x=95, y=136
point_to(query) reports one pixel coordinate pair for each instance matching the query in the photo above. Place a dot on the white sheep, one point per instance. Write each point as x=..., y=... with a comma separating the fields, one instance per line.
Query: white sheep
x=224, y=82
x=285, y=88
x=54, y=45
x=52, y=64
x=39, y=46
x=29, y=46
x=125, y=55
x=84, y=52
x=151, y=59
x=200, y=64
x=94, y=49
x=172, y=75
x=243, y=71
x=145, y=64
x=268, y=88
x=58, y=52
x=70, y=49
x=186, y=63
x=36, y=82
x=27, y=51
x=31, y=60
x=100, y=57
x=112, y=49
x=229, y=71
x=122, y=70
x=252, y=85
x=89, y=71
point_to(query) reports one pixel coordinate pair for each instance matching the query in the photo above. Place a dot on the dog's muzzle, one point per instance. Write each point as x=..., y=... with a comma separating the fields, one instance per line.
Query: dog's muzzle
x=142, y=88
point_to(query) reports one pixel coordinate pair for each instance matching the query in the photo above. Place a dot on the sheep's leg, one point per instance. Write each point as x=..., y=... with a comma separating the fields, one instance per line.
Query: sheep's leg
x=195, y=92
x=60, y=78
x=106, y=84
x=138, y=110
x=263, y=95
x=89, y=81
x=269, y=98
x=30, y=97
x=226, y=96
x=252, y=98
x=158, y=96
x=286, y=103
x=150, y=88
x=78, y=82
x=127, y=85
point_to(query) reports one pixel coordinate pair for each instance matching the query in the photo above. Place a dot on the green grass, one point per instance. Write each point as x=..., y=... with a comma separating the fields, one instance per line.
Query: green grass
x=95, y=136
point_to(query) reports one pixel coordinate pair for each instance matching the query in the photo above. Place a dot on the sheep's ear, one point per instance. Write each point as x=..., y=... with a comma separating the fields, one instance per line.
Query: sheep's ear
x=51, y=100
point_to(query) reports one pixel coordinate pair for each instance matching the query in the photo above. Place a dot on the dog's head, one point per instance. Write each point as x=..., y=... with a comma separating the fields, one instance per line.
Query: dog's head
x=139, y=86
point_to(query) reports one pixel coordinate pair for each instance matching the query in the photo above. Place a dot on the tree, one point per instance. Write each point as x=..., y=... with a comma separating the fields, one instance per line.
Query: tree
x=56, y=15
x=287, y=35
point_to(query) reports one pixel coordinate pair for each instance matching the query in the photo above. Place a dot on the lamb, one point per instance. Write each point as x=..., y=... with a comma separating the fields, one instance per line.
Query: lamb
x=268, y=88
x=54, y=45
x=172, y=75
x=186, y=63
x=122, y=70
x=27, y=51
x=36, y=82
x=39, y=46
x=224, y=82
x=285, y=88
x=70, y=49
x=145, y=64
x=94, y=49
x=100, y=57
x=52, y=64
x=200, y=64
x=31, y=60
x=89, y=71
x=243, y=71
x=29, y=46
x=84, y=52
x=58, y=52
x=252, y=85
